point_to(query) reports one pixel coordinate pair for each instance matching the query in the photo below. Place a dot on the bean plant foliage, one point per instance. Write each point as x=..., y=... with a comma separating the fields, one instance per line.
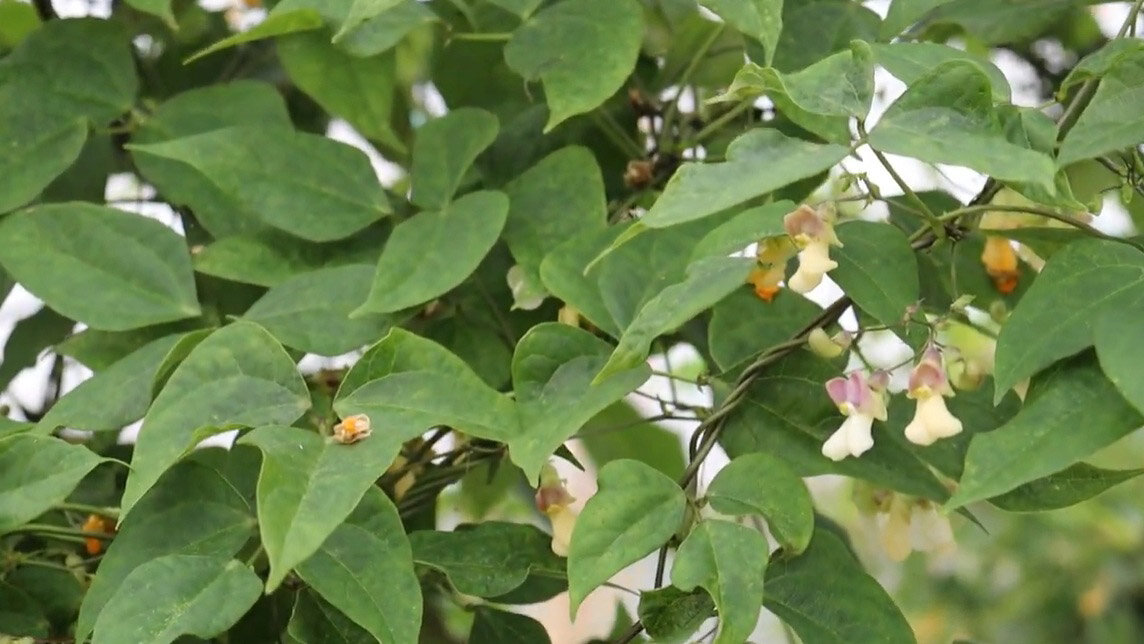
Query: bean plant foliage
x=569, y=188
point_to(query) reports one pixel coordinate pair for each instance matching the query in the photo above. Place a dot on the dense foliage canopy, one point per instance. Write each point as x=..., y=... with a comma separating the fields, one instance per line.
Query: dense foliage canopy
x=559, y=191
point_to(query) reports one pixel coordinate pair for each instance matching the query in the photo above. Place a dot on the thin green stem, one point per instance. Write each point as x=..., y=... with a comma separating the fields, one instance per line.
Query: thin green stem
x=673, y=109
x=928, y=215
x=1084, y=94
x=101, y=510
x=60, y=531
x=473, y=36
x=1044, y=212
x=718, y=123
x=616, y=134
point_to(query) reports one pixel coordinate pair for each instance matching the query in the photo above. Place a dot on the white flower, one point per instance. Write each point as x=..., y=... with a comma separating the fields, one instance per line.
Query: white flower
x=814, y=235
x=860, y=399
x=928, y=385
x=906, y=524
x=352, y=429
x=563, y=521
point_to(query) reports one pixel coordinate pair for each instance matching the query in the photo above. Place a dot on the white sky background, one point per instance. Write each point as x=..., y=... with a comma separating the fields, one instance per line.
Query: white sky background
x=27, y=388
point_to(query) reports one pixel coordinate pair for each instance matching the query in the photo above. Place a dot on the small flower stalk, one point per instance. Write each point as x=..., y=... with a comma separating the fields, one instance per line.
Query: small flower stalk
x=813, y=235
x=861, y=399
x=766, y=277
x=929, y=385
x=352, y=429
x=553, y=499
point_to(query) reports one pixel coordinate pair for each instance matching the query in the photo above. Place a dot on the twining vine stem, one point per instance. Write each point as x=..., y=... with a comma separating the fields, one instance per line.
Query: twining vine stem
x=707, y=434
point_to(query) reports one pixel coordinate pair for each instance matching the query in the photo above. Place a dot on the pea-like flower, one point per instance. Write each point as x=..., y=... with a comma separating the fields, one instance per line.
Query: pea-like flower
x=352, y=429
x=861, y=400
x=813, y=234
x=553, y=499
x=773, y=254
x=909, y=524
x=1000, y=261
x=929, y=386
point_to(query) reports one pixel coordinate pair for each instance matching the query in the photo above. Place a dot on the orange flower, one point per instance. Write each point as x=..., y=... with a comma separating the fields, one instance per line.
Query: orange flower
x=772, y=254
x=96, y=523
x=352, y=429
x=1000, y=260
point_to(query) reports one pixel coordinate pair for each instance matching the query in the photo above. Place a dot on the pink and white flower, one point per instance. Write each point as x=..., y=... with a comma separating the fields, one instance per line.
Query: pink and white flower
x=929, y=385
x=861, y=400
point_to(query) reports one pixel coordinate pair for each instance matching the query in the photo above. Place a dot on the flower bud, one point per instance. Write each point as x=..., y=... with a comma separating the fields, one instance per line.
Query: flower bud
x=553, y=499
x=352, y=429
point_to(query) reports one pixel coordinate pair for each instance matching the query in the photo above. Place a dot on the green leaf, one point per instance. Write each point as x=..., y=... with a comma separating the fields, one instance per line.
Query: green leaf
x=877, y=269
x=641, y=440
x=36, y=472
x=57, y=592
x=758, y=19
x=761, y=484
x=433, y=252
x=671, y=615
x=708, y=281
x=29, y=337
x=758, y=162
x=239, y=375
x=112, y=398
x=743, y=325
x=804, y=593
x=444, y=149
x=904, y=13
x=1101, y=61
x=314, y=621
x=365, y=569
x=996, y=23
x=952, y=105
x=307, y=185
x=361, y=11
x=581, y=50
x=635, y=511
x=744, y=229
x=17, y=20
x=556, y=199
x=401, y=351
x=1109, y=122
x=360, y=90
x=404, y=405
x=488, y=559
x=820, y=98
x=1042, y=438
x=491, y=626
x=1076, y=286
x=910, y=61
x=552, y=371
x=269, y=257
x=308, y=485
x=1070, y=486
x=1118, y=348
x=310, y=312
x=728, y=560
x=160, y=8
x=195, y=509
x=813, y=30
x=73, y=68
x=21, y=614
x=107, y=268
x=521, y=8
x=563, y=273
x=202, y=110
x=184, y=595
x=278, y=23
x=381, y=32
x=38, y=145
x=788, y=415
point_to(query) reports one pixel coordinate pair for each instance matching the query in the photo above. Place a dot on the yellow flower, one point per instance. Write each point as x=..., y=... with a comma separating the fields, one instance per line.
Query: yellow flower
x=352, y=429
x=553, y=499
x=773, y=254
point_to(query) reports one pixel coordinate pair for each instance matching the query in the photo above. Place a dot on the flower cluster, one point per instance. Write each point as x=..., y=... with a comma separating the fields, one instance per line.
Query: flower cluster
x=862, y=399
x=904, y=523
x=810, y=234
